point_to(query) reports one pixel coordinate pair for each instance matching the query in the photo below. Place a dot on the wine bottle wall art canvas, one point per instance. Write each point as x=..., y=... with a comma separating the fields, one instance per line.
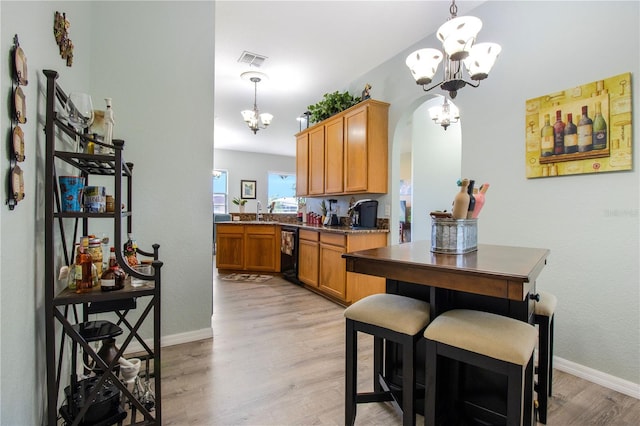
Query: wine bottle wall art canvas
x=579, y=130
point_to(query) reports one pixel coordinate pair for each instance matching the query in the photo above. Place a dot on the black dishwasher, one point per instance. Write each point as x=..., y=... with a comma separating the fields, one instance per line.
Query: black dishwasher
x=289, y=254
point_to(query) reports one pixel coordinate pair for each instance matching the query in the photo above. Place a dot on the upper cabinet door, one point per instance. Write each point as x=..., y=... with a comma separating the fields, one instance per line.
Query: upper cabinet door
x=334, y=156
x=356, y=161
x=302, y=165
x=316, y=161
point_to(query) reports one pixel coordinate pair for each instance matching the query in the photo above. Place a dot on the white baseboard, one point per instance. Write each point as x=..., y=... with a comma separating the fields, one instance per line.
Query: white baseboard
x=174, y=339
x=598, y=377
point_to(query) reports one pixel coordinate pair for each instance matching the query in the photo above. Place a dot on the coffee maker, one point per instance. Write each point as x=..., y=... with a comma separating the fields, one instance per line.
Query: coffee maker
x=365, y=214
x=332, y=215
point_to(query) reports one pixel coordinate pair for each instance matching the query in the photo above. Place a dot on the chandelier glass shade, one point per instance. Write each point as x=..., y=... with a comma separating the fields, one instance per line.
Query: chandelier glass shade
x=445, y=114
x=254, y=119
x=458, y=38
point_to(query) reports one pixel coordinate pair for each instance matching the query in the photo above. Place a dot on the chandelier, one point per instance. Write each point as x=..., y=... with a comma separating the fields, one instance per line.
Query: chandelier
x=252, y=117
x=445, y=114
x=458, y=37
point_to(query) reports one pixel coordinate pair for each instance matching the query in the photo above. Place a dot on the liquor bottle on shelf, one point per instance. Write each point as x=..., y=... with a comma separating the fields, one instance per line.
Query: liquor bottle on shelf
x=599, y=129
x=461, y=201
x=75, y=272
x=83, y=259
x=546, y=138
x=113, y=277
x=558, y=134
x=585, y=130
x=472, y=199
x=130, y=248
x=570, y=136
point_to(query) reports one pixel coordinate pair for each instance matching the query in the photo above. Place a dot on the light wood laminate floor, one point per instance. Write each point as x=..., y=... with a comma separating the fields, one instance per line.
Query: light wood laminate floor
x=277, y=358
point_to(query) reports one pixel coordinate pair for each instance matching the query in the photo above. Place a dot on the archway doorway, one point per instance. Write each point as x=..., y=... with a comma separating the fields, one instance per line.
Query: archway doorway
x=429, y=162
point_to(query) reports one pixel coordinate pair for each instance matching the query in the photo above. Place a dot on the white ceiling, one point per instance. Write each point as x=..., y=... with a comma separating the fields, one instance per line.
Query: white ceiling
x=312, y=47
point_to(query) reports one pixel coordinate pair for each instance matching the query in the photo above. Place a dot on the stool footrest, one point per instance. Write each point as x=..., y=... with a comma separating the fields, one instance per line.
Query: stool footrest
x=365, y=397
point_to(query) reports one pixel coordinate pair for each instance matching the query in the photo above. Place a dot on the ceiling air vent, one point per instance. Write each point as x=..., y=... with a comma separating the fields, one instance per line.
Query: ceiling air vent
x=253, y=59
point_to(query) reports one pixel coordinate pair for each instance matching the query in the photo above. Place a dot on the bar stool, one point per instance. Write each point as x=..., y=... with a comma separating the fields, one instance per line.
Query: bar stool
x=544, y=317
x=390, y=317
x=488, y=341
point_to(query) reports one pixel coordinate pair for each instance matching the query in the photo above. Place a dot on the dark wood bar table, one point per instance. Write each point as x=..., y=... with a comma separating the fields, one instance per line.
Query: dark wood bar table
x=497, y=279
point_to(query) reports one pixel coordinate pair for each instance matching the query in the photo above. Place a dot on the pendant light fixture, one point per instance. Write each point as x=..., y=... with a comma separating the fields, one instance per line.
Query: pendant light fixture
x=252, y=117
x=458, y=37
x=445, y=114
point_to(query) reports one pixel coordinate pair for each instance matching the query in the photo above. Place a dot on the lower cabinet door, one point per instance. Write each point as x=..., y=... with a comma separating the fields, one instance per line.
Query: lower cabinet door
x=260, y=253
x=333, y=271
x=230, y=251
x=308, y=262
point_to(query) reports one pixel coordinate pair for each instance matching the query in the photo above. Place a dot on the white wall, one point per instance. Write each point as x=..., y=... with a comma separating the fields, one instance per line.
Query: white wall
x=161, y=81
x=22, y=352
x=589, y=222
x=250, y=166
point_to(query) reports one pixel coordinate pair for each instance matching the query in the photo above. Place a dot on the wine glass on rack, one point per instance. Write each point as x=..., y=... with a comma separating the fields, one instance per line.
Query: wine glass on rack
x=79, y=109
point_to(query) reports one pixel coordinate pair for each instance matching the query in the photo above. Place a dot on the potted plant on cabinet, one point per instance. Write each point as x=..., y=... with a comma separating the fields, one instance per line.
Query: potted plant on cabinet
x=331, y=104
x=240, y=203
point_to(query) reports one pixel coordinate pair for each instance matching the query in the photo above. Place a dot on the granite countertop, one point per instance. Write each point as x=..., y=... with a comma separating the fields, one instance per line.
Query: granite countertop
x=321, y=228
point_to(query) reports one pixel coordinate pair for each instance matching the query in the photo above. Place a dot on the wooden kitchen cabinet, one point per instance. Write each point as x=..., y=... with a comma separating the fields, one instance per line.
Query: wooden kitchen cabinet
x=262, y=248
x=366, y=148
x=316, y=161
x=334, y=156
x=248, y=247
x=322, y=269
x=347, y=153
x=302, y=165
x=308, y=260
x=333, y=279
x=230, y=246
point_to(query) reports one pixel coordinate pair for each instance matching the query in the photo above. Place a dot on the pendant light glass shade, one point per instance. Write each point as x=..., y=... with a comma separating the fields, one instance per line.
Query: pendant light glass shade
x=458, y=35
x=423, y=64
x=249, y=115
x=481, y=59
x=266, y=118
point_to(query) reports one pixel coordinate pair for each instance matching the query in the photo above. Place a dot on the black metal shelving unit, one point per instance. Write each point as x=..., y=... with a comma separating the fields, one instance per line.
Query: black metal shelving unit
x=67, y=312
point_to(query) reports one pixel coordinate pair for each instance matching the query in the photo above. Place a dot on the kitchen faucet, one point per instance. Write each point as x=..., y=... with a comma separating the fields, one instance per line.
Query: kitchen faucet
x=258, y=210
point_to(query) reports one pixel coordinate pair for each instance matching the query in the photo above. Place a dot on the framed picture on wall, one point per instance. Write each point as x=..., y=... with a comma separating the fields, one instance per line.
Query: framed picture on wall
x=580, y=130
x=248, y=189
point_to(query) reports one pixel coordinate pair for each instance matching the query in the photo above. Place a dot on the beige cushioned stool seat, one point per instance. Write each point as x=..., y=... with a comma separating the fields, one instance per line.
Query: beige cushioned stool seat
x=547, y=304
x=391, y=311
x=492, y=335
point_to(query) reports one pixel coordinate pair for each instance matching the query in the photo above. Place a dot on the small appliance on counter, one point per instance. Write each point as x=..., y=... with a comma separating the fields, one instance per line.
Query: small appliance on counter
x=332, y=217
x=365, y=214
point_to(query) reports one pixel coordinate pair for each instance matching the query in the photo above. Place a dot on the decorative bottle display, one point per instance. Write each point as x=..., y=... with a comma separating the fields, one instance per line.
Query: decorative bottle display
x=585, y=130
x=95, y=250
x=130, y=248
x=108, y=123
x=461, y=201
x=599, y=129
x=113, y=277
x=108, y=352
x=546, y=138
x=472, y=199
x=480, y=199
x=570, y=136
x=84, y=260
x=74, y=275
x=558, y=134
